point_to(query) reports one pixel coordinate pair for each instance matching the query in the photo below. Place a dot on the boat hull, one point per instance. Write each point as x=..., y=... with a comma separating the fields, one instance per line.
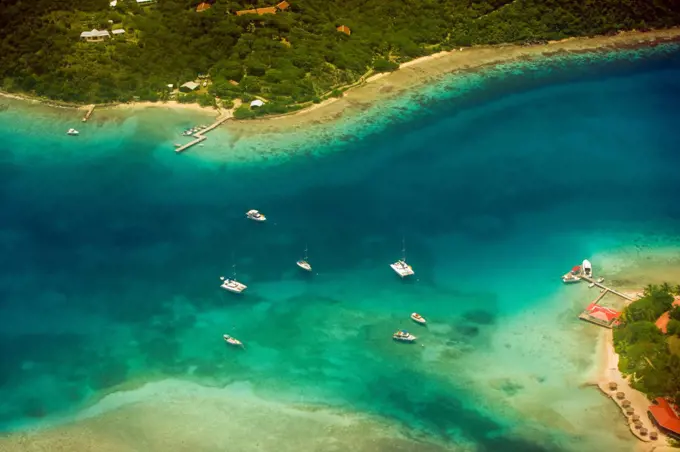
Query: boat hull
x=419, y=320
x=304, y=265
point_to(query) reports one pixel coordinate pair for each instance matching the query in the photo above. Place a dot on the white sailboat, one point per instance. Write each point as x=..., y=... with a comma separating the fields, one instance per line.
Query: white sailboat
x=232, y=340
x=303, y=263
x=72, y=132
x=400, y=267
x=231, y=284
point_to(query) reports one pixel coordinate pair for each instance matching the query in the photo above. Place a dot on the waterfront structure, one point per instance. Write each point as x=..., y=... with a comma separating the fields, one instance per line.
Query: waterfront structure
x=95, y=35
x=600, y=315
x=665, y=417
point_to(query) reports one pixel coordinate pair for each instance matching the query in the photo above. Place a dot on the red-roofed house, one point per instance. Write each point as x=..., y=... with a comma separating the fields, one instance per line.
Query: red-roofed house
x=662, y=322
x=344, y=29
x=283, y=5
x=665, y=418
x=600, y=315
x=202, y=7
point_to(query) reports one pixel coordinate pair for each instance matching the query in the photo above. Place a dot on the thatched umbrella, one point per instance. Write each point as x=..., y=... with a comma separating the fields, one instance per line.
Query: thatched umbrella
x=643, y=431
x=653, y=435
x=613, y=386
x=637, y=424
x=625, y=403
x=630, y=410
x=636, y=417
x=620, y=395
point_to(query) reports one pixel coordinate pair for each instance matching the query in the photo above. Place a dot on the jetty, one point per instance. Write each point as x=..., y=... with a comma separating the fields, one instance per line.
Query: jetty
x=200, y=136
x=607, y=289
x=89, y=113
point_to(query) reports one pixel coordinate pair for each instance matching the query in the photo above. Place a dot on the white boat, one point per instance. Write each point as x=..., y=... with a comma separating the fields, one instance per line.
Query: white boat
x=231, y=284
x=418, y=318
x=572, y=276
x=232, y=340
x=303, y=263
x=587, y=268
x=255, y=215
x=400, y=267
x=600, y=279
x=403, y=336
x=591, y=285
x=72, y=132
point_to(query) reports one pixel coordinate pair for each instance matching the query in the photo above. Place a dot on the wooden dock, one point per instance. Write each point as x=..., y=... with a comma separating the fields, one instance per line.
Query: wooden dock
x=200, y=136
x=606, y=289
x=89, y=113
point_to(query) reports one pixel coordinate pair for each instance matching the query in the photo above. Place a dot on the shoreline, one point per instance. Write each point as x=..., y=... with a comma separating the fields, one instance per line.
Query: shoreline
x=410, y=75
x=608, y=373
x=428, y=69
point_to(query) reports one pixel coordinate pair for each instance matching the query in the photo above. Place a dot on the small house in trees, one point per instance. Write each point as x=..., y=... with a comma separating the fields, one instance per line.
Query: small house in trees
x=95, y=35
x=118, y=32
x=145, y=2
x=256, y=103
x=188, y=87
x=202, y=7
x=344, y=29
x=284, y=5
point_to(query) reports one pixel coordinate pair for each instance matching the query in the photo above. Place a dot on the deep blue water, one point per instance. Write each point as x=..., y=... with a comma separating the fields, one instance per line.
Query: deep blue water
x=111, y=253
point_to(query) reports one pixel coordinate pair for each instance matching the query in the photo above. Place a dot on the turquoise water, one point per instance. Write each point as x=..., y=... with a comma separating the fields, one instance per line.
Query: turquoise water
x=112, y=246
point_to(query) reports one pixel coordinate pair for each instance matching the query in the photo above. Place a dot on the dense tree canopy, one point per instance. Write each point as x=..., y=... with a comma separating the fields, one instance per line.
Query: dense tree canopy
x=294, y=56
x=647, y=353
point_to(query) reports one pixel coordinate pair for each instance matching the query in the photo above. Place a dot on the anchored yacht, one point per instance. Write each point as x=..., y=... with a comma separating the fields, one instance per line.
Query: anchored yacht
x=303, y=263
x=418, y=318
x=400, y=267
x=231, y=284
x=255, y=215
x=403, y=336
x=72, y=132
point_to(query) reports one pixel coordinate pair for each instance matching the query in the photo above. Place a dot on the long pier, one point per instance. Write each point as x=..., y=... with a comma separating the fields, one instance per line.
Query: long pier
x=606, y=289
x=200, y=136
x=89, y=113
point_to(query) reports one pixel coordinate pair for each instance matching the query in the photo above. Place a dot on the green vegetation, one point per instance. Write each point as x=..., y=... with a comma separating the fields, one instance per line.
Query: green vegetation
x=651, y=357
x=290, y=58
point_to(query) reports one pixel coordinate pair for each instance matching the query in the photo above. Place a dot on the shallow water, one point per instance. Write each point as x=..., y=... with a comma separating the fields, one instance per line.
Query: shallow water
x=113, y=245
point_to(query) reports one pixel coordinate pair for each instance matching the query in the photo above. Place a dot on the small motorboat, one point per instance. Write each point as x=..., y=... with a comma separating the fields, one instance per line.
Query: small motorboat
x=72, y=132
x=600, y=279
x=591, y=285
x=403, y=336
x=304, y=263
x=232, y=285
x=232, y=340
x=418, y=318
x=255, y=215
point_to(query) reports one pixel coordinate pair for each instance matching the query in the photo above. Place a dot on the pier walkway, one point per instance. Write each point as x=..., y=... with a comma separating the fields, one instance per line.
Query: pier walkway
x=607, y=289
x=200, y=136
x=89, y=113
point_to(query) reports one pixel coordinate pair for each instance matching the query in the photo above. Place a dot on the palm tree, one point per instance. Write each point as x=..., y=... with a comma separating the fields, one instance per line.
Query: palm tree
x=650, y=289
x=677, y=289
x=666, y=288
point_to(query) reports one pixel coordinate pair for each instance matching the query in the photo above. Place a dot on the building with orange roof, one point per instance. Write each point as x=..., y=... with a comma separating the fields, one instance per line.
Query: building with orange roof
x=600, y=315
x=662, y=322
x=268, y=10
x=344, y=29
x=283, y=5
x=662, y=414
x=202, y=7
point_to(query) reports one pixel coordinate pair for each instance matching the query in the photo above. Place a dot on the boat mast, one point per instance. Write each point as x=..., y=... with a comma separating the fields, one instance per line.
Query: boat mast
x=306, y=252
x=403, y=249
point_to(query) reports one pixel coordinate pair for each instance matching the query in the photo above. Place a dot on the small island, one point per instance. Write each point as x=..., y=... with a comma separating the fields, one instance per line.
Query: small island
x=283, y=56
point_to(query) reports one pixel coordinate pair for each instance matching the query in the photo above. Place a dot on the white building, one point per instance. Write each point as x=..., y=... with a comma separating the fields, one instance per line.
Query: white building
x=256, y=103
x=145, y=2
x=95, y=35
x=188, y=86
x=118, y=32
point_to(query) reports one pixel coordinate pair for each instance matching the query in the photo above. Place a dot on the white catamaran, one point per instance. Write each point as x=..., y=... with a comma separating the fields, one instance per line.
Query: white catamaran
x=303, y=263
x=231, y=284
x=400, y=267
